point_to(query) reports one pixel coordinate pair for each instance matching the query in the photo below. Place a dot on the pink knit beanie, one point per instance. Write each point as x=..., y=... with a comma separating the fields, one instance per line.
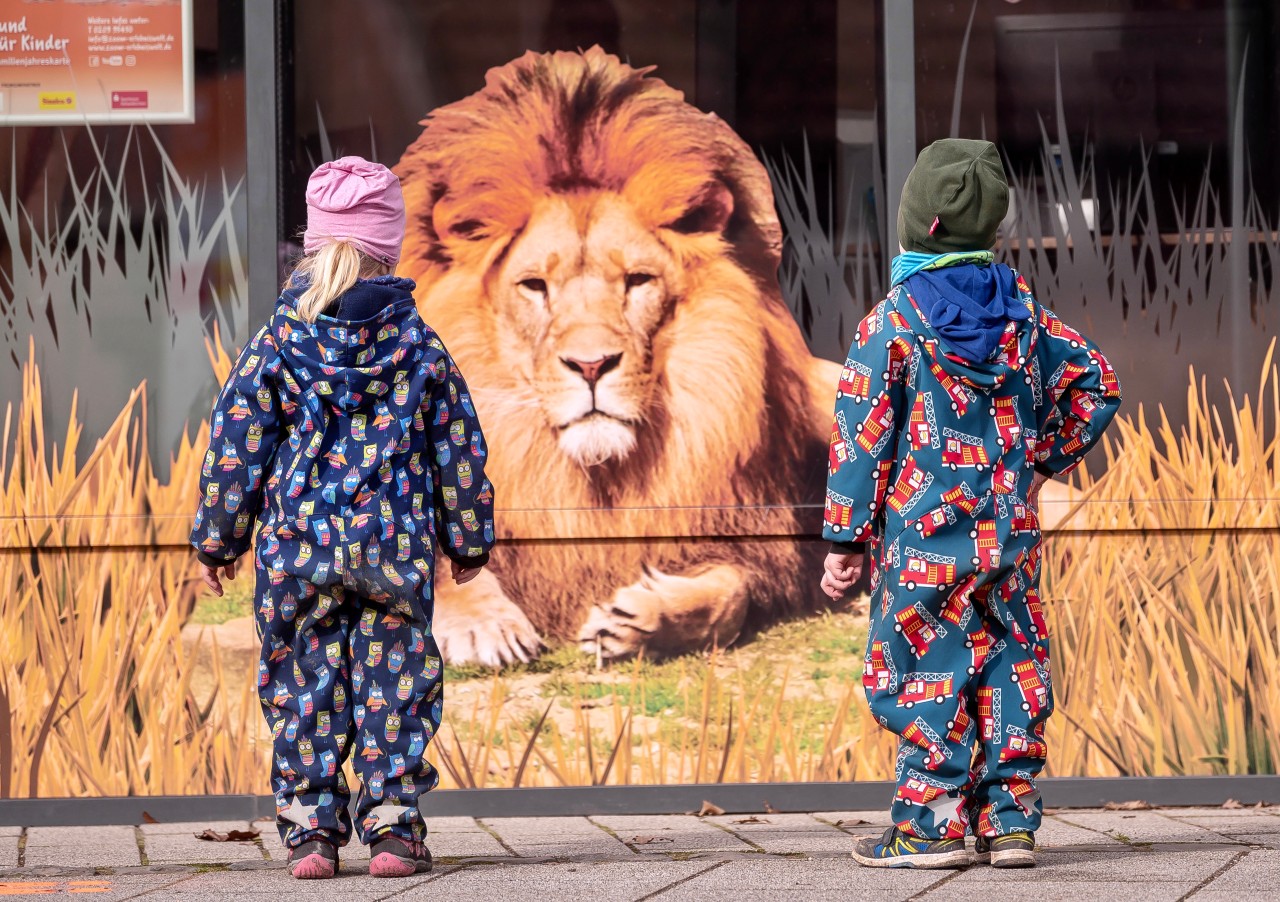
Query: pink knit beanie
x=354, y=200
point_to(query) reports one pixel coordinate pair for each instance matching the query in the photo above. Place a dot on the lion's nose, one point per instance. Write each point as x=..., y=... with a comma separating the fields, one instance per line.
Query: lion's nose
x=592, y=370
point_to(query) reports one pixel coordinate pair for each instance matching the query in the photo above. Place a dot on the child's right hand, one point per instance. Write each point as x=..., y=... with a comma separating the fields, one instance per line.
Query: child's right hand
x=210, y=576
x=463, y=574
x=840, y=572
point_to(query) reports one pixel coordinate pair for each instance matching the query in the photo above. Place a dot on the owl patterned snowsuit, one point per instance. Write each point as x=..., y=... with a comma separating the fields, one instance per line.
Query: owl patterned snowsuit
x=931, y=461
x=354, y=444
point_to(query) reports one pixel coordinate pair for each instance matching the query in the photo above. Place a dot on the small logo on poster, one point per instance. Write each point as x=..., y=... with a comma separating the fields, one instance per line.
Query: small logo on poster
x=57, y=100
x=128, y=100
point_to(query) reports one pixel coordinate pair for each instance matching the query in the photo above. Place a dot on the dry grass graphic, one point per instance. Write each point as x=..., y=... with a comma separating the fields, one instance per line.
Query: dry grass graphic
x=1167, y=643
x=1168, y=635
x=95, y=689
x=735, y=717
x=1167, y=652
x=117, y=277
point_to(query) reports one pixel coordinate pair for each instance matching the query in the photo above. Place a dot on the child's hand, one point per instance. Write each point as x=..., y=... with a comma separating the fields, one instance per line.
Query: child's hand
x=463, y=574
x=840, y=572
x=210, y=576
x=1033, y=496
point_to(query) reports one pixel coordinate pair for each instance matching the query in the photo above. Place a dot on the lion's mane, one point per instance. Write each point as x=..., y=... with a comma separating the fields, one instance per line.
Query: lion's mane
x=734, y=437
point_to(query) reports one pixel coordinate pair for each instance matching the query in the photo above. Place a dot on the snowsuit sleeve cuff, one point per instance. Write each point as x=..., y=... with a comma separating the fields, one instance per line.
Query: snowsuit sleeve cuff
x=467, y=563
x=848, y=547
x=210, y=561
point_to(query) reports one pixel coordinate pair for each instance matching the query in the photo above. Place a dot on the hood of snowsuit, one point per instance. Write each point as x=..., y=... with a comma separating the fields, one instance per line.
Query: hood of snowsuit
x=353, y=362
x=995, y=311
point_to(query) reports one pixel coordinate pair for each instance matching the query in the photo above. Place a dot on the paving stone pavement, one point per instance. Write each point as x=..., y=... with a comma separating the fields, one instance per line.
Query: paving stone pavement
x=1201, y=854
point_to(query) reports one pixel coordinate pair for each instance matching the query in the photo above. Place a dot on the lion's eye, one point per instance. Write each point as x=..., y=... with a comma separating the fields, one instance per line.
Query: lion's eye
x=537, y=286
x=636, y=279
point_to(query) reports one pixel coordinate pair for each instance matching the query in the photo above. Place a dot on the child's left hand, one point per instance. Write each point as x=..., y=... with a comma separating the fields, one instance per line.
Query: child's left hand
x=1033, y=496
x=210, y=576
x=840, y=572
x=461, y=574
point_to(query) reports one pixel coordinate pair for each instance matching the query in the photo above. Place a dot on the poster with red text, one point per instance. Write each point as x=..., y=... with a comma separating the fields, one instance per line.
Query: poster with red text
x=68, y=62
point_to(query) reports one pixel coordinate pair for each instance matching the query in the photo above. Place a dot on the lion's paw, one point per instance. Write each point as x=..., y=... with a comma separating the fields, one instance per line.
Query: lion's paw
x=622, y=627
x=494, y=632
x=665, y=614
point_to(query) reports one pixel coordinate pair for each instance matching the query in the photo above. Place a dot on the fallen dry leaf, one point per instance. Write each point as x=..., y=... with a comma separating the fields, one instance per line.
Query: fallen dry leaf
x=751, y=820
x=229, y=836
x=769, y=809
x=646, y=840
x=148, y=819
x=1131, y=805
x=1232, y=804
x=709, y=808
x=851, y=822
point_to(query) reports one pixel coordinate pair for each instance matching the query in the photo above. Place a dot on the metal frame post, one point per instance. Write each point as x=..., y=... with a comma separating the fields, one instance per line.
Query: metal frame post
x=262, y=147
x=899, y=112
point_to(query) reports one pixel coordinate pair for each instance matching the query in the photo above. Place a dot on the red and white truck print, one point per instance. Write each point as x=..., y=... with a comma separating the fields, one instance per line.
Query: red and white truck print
x=855, y=382
x=923, y=424
x=919, y=733
x=1035, y=695
x=986, y=546
x=1008, y=427
x=913, y=480
x=878, y=673
x=924, y=568
x=874, y=431
x=925, y=687
x=960, y=396
x=1056, y=328
x=919, y=627
x=937, y=518
x=962, y=450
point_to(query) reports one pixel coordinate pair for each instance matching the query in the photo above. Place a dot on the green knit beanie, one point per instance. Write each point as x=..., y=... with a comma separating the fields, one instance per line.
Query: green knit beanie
x=954, y=198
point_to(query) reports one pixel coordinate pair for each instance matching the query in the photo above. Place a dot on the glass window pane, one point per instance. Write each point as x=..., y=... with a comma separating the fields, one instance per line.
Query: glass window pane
x=1135, y=133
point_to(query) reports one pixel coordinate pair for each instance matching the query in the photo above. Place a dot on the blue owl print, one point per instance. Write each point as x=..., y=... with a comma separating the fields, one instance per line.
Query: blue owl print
x=334, y=448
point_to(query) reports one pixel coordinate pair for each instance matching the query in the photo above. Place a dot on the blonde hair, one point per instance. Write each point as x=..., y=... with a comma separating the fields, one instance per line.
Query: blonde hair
x=332, y=270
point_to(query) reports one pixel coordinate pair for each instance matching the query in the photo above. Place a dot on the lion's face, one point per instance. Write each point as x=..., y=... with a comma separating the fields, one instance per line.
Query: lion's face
x=581, y=294
x=604, y=254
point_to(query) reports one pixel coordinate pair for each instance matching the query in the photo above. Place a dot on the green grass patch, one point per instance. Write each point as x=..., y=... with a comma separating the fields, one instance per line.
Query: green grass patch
x=554, y=660
x=237, y=601
x=821, y=654
x=676, y=688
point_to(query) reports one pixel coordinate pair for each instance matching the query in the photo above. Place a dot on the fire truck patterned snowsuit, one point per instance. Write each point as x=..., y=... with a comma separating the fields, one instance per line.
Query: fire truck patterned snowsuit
x=351, y=442
x=931, y=461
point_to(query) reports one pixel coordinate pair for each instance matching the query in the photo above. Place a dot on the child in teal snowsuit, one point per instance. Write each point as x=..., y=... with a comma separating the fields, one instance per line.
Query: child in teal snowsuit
x=345, y=442
x=961, y=396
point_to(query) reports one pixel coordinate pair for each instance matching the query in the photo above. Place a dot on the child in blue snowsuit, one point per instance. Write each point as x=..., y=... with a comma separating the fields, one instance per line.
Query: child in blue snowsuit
x=346, y=434
x=961, y=396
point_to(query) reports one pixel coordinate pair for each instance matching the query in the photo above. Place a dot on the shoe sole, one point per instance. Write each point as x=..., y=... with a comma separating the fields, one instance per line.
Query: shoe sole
x=1013, y=858
x=314, y=867
x=930, y=862
x=385, y=864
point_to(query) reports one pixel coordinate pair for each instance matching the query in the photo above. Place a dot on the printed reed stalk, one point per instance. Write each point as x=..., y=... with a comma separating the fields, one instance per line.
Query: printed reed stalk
x=91, y=658
x=1166, y=650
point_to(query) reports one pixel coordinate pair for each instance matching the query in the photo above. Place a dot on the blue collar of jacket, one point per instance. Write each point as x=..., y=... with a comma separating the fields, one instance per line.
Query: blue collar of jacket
x=908, y=263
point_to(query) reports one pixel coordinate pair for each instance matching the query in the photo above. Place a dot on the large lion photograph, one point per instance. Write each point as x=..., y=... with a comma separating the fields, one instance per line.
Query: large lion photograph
x=601, y=259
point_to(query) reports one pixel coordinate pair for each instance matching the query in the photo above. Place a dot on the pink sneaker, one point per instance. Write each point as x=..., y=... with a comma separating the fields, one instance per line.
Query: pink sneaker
x=392, y=856
x=314, y=860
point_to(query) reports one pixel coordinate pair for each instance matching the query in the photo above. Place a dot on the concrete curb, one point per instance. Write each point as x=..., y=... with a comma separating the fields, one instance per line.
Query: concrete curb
x=1061, y=792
